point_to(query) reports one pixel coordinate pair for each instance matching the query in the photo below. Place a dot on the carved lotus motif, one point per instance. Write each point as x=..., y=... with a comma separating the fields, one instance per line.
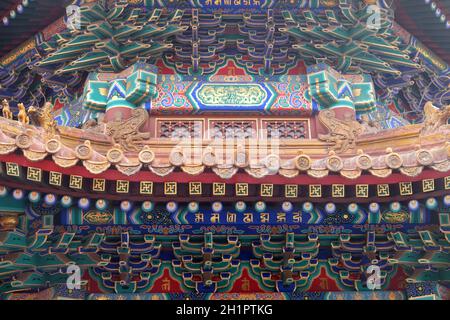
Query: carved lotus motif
x=114, y=155
x=209, y=159
x=272, y=162
x=84, y=151
x=53, y=146
x=424, y=157
x=177, y=158
x=146, y=156
x=394, y=161
x=364, y=162
x=335, y=163
x=23, y=141
x=303, y=162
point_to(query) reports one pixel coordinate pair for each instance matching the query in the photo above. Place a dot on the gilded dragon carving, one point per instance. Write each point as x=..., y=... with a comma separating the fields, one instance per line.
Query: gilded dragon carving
x=434, y=117
x=343, y=133
x=126, y=133
x=43, y=118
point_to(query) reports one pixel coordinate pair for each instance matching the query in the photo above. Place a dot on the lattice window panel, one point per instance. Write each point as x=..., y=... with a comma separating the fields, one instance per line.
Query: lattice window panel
x=233, y=129
x=180, y=129
x=286, y=129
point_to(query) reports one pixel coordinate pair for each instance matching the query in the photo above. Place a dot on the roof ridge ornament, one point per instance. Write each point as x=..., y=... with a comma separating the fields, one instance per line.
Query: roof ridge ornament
x=435, y=118
x=342, y=133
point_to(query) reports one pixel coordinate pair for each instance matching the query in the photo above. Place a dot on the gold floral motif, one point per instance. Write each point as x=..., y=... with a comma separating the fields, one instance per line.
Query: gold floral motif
x=224, y=172
x=381, y=173
x=64, y=162
x=96, y=167
x=193, y=169
x=7, y=148
x=442, y=167
x=129, y=169
x=231, y=95
x=411, y=171
x=288, y=173
x=351, y=174
x=162, y=171
x=98, y=217
x=395, y=217
x=318, y=173
x=34, y=155
x=257, y=172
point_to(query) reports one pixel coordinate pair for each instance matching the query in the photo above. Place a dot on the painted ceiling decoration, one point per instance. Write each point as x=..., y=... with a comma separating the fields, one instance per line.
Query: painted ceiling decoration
x=269, y=38
x=224, y=149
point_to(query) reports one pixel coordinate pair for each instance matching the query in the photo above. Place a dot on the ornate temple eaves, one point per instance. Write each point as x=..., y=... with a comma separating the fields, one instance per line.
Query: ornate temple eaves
x=404, y=149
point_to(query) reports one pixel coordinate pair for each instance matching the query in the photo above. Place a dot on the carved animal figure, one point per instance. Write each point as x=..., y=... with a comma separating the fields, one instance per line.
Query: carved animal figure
x=126, y=133
x=369, y=125
x=22, y=116
x=434, y=117
x=6, y=112
x=43, y=117
x=343, y=133
x=90, y=124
